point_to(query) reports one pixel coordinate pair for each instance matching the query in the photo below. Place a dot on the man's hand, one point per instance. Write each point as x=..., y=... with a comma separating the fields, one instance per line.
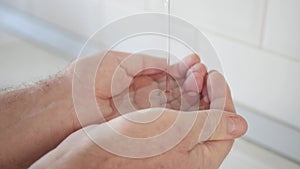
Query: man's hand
x=126, y=82
x=36, y=119
x=196, y=150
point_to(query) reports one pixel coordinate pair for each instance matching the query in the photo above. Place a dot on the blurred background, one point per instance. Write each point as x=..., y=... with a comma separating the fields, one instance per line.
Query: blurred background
x=258, y=42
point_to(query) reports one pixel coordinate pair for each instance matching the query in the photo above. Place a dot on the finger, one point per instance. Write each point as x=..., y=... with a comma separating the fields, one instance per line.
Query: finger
x=219, y=95
x=217, y=145
x=218, y=92
x=229, y=127
x=209, y=127
x=195, y=78
x=180, y=69
x=193, y=85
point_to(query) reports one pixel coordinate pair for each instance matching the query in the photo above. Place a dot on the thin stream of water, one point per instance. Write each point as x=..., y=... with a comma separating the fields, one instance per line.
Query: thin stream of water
x=168, y=6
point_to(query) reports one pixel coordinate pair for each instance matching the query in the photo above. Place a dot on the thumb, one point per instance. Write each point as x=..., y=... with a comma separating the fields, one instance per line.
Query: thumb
x=220, y=125
x=221, y=121
x=219, y=92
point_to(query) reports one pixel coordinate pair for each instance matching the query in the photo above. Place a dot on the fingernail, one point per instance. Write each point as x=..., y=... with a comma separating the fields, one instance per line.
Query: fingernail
x=231, y=125
x=205, y=98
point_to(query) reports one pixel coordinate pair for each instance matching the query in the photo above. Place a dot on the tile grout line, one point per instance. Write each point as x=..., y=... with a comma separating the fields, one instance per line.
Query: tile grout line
x=226, y=37
x=261, y=113
x=270, y=134
x=236, y=40
x=263, y=25
x=248, y=44
x=269, y=150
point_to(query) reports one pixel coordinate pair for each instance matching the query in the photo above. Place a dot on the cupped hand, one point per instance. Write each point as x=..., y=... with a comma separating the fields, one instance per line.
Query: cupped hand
x=205, y=145
x=121, y=83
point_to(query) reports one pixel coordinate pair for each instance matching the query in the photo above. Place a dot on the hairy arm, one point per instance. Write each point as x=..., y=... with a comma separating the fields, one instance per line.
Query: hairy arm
x=34, y=120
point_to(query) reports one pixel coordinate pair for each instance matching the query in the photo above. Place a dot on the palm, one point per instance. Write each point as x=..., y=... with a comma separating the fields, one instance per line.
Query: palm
x=82, y=152
x=121, y=89
x=187, y=154
x=198, y=158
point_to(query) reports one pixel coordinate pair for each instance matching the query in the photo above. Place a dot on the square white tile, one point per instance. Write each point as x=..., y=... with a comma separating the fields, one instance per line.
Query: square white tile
x=77, y=16
x=19, y=4
x=261, y=80
x=282, y=32
x=6, y=39
x=234, y=18
x=22, y=63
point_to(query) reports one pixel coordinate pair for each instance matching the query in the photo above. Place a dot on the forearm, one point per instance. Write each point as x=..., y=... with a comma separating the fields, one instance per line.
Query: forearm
x=34, y=120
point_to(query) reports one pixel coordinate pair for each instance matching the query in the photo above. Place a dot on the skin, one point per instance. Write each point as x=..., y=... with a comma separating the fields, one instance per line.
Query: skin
x=44, y=118
x=140, y=74
x=33, y=121
x=189, y=153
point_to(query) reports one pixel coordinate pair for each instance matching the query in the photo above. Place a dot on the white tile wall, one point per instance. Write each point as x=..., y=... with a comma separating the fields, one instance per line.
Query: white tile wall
x=115, y=9
x=245, y=155
x=264, y=78
x=234, y=18
x=282, y=32
x=260, y=80
x=77, y=16
x=23, y=63
x=34, y=63
x=19, y=4
x=6, y=39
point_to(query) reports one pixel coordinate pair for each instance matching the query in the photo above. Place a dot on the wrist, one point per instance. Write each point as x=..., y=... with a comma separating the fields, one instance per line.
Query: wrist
x=41, y=114
x=63, y=83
